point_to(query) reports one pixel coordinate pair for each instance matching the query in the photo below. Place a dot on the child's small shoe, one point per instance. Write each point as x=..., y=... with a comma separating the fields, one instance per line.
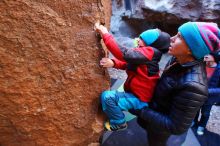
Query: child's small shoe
x=111, y=127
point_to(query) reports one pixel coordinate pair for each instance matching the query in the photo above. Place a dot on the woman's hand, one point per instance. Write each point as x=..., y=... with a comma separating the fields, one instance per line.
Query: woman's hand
x=106, y=62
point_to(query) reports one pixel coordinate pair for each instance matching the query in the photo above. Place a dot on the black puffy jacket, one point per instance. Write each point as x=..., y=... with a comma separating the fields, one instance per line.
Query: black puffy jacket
x=179, y=94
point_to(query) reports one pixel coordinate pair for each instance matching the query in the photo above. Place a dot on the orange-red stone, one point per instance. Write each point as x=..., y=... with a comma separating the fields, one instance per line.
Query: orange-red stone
x=50, y=78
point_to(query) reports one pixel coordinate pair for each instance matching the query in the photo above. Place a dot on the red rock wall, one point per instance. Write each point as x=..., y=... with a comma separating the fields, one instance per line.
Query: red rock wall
x=50, y=78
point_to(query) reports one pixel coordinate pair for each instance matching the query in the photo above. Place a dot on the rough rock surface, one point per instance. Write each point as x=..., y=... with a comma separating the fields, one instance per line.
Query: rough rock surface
x=173, y=11
x=50, y=78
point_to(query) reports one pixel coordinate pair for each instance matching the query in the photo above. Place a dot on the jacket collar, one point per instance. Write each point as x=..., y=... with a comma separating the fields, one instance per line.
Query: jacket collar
x=188, y=64
x=192, y=63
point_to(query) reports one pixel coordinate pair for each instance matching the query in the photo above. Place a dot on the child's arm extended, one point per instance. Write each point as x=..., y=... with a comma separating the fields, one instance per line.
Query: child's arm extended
x=134, y=56
x=107, y=62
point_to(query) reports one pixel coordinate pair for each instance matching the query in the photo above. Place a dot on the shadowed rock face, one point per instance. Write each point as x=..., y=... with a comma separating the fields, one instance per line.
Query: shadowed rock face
x=139, y=15
x=174, y=11
x=132, y=17
x=50, y=78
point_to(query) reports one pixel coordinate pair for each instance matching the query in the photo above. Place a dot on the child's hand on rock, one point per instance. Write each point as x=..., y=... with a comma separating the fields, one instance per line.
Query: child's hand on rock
x=106, y=62
x=100, y=28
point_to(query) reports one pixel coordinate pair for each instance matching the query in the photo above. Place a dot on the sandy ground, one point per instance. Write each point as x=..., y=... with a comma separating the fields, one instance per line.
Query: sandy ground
x=214, y=120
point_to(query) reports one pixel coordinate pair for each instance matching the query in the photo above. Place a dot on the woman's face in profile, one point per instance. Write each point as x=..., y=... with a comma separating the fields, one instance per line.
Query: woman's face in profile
x=178, y=46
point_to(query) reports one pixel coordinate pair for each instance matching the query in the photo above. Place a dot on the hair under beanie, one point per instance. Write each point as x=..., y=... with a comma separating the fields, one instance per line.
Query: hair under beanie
x=157, y=39
x=201, y=37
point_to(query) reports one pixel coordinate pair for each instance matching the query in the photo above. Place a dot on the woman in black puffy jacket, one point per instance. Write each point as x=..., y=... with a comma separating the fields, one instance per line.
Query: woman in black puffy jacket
x=182, y=89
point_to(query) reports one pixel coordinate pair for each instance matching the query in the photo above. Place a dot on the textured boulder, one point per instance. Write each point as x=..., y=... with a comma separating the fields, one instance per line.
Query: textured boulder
x=173, y=11
x=164, y=14
x=50, y=78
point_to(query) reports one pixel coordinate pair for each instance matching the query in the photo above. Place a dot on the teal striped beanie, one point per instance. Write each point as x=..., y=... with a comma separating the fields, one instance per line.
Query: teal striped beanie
x=201, y=37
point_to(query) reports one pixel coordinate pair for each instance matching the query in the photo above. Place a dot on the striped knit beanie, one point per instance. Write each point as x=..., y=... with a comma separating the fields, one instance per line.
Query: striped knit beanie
x=201, y=37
